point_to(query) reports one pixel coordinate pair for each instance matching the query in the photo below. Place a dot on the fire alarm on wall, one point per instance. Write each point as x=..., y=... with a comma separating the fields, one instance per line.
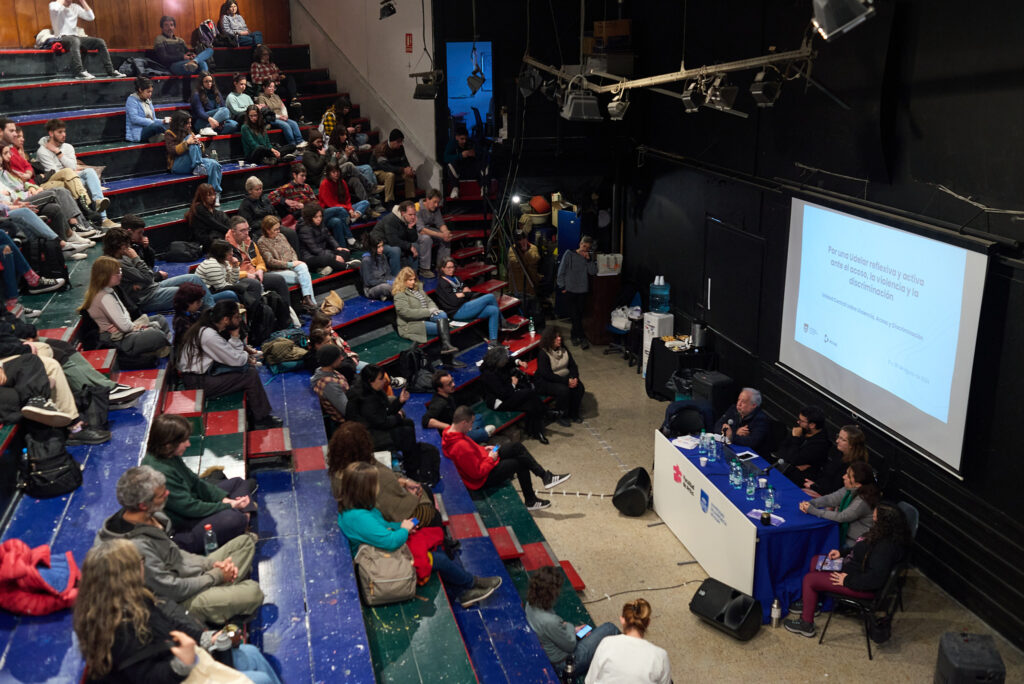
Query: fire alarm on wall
x=408, y=43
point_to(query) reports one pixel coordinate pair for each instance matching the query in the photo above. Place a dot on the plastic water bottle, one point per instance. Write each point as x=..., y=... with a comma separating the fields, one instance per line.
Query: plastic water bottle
x=209, y=539
x=712, y=449
x=533, y=330
x=751, y=488
x=735, y=474
x=659, y=295
x=702, y=445
x=769, y=498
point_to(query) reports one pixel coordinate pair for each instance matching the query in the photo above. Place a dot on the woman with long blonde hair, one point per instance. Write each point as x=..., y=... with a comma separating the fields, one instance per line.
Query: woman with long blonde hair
x=126, y=635
x=418, y=317
x=144, y=335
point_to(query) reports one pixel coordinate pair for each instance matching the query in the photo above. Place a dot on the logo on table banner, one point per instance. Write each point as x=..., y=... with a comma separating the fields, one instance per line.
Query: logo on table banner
x=703, y=501
x=707, y=507
x=676, y=475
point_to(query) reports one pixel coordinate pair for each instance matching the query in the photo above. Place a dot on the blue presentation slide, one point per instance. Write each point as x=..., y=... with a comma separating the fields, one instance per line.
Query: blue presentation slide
x=882, y=303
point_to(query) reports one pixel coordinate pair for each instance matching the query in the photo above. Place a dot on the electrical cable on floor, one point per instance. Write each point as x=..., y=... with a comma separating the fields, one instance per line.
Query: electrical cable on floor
x=608, y=597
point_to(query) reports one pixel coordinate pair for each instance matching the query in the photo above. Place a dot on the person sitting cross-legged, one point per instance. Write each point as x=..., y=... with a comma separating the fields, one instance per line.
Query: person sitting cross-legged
x=291, y=197
x=441, y=409
x=479, y=467
x=214, y=588
x=193, y=503
x=210, y=114
x=219, y=364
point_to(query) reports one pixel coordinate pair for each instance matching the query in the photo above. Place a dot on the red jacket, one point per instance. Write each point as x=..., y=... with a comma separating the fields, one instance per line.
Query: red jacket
x=471, y=460
x=30, y=584
x=335, y=194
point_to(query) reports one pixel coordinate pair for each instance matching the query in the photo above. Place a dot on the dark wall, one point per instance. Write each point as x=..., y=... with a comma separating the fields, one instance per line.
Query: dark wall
x=932, y=92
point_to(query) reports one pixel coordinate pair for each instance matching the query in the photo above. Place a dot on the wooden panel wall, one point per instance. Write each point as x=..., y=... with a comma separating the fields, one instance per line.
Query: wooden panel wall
x=134, y=23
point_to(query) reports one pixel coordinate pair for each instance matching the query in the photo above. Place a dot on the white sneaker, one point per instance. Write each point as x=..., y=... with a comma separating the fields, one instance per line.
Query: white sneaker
x=207, y=131
x=454, y=193
x=118, y=74
x=302, y=145
x=72, y=246
x=77, y=256
x=556, y=480
x=489, y=429
x=84, y=75
x=216, y=202
x=351, y=241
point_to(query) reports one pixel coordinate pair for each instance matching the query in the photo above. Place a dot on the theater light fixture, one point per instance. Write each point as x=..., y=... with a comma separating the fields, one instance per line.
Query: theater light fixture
x=475, y=81
x=516, y=199
x=529, y=81
x=835, y=17
x=428, y=84
x=693, y=97
x=766, y=88
x=580, y=104
x=618, y=106
x=387, y=8
x=721, y=95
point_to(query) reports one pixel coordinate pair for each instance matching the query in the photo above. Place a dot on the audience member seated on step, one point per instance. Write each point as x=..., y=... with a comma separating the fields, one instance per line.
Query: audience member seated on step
x=207, y=222
x=136, y=228
x=804, y=451
x=141, y=122
x=557, y=636
x=289, y=127
x=745, y=424
x=375, y=269
x=175, y=54
x=211, y=356
x=219, y=272
x=239, y=100
x=25, y=392
x=397, y=229
x=316, y=156
x=185, y=153
x=255, y=207
x=523, y=257
x=339, y=114
x=389, y=157
x=462, y=304
x=23, y=219
x=573, y=280
x=55, y=154
x=214, y=588
x=317, y=246
x=363, y=523
x=850, y=506
x=369, y=404
x=558, y=376
x=460, y=161
x=64, y=16
x=865, y=568
x=851, y=447
x=291, y=197
x=481, y=466
x=284, y=262
x=125, y=634
x=188, y=305
x=321, y=321
x=340, y=210
x=330, y=385
x=146, y=335
x=345, y=152
x=441, y=409
x=233, y=24
x=628, y=657
x=263, y=69
x=506, y=389
x=250, y=262
x=140, y=283
x=194, y=503
x=418, y=318
x=256, y=145
x=209, y=113
x=15, y=268
x=430, y=224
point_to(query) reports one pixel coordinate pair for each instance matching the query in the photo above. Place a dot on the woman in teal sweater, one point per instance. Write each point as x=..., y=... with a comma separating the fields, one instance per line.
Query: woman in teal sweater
x=362, y=523
x=193, y=503
x=256, y=143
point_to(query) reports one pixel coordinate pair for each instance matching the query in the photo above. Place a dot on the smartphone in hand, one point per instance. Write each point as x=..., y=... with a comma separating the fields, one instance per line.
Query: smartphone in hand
x=583, y=631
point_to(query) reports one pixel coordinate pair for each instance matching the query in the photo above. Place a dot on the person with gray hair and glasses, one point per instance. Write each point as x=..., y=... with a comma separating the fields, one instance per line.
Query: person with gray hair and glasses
x=214, y=588
x=745, y=424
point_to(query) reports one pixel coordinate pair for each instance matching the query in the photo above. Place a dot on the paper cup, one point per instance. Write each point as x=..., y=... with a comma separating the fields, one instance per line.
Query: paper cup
x=703, y=461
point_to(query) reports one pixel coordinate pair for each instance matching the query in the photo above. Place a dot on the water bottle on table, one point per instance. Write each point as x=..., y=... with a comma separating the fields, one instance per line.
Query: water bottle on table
x=209, y=539
x=769, y=498
x=751, y=488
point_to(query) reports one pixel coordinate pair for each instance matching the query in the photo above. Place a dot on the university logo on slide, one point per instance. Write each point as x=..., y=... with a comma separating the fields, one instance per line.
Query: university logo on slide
x=703, y=501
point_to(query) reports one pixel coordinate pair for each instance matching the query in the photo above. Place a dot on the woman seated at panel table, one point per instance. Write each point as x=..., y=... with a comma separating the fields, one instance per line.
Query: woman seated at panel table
x=852, y=506
x=850, y=448
x=865, y=569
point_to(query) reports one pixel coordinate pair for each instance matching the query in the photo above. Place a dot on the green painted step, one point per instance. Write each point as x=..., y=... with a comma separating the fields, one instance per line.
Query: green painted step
x=381, y=348
x=493, y=417
x=177, y=214
x=417, y=640
x=568, y=606
x=228, y=402
x=503, y=506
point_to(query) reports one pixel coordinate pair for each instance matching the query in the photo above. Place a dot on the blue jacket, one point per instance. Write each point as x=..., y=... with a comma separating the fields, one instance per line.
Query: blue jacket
x=362, y=526
x=199, y=113
x=135, y=118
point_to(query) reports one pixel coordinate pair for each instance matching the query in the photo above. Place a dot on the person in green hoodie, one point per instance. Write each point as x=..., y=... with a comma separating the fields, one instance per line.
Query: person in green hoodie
x=192, y=502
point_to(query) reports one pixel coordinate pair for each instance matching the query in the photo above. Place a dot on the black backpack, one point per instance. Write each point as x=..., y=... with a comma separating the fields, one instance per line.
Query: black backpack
x=141, y=66
x=262, y=323
x=46, y=258
x=414, y=366
x=182, y=252
x=45, y=468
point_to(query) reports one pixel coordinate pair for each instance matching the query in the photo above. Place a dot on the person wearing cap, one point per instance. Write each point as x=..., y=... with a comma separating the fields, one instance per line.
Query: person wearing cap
x=389, y=157
x=523, y=257
x=330, y=385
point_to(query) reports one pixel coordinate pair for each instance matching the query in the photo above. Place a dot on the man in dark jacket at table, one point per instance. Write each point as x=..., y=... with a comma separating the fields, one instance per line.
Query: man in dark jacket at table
x=802, y=454
x=745, y=424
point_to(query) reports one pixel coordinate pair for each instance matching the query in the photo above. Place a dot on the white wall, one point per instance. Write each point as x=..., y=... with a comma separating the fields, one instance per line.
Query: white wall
x=367, y=58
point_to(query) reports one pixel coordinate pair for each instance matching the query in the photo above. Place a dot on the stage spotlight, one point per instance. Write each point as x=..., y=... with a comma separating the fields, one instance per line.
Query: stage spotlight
x=581, y=105
x=835, y=17
x=387, y=8
x=721, y=95
x=766, y=88
x=427, y=85
x=618, y=106
x=693, y=97
x=529, y=81
x=475, y=81
x=516, y=199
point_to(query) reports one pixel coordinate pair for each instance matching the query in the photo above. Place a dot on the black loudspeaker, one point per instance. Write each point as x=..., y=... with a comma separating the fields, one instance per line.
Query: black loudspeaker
x=968, y=658
x=633, y=493
x=715, y=388
x=735, y=613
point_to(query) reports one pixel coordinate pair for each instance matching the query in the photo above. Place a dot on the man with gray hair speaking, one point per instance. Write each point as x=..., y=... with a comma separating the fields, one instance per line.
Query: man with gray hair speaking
x=213, y=588
x=745, y=424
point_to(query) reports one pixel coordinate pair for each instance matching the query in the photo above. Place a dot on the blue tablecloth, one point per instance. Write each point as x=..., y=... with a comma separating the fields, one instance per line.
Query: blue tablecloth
x=783, y=553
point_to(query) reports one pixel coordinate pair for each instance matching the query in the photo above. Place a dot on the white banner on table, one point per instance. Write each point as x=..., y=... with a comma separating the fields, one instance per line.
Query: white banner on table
x=718, y=535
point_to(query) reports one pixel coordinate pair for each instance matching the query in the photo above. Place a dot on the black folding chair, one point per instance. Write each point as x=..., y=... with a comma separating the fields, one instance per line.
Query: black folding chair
x=883, y=602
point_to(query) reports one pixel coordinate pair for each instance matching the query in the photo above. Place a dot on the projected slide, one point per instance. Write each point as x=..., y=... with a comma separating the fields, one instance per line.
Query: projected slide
x=885, y=321
x=869, y=296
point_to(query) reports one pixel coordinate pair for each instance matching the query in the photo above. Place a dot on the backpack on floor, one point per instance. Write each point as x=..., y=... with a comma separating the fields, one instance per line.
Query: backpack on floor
x=414, y=366
x=261, y=321
x=46, y=258
x=142, y=66
x=385, y=576
x=45, y=468
x=182, y=252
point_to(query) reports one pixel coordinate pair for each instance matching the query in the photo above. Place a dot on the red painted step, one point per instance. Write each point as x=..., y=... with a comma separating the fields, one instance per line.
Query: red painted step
x=505, y=542
x=100, y=359
x=488, y=286
x=474, y=269
x=522, y=344
x=464, y=218
x=148, y=379
x=188, y=403
x=467, y=526
x=507, y=302
x=309, y=458
x=229, y=422
x=63, y=334
x=467, y=252
x=470, y=234
x=538, y=555
x=574, y=578
x=268, y=443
